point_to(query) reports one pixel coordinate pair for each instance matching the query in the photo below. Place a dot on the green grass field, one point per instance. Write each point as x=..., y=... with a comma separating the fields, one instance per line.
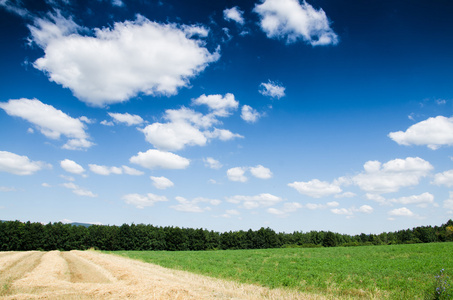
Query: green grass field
x=382, y=272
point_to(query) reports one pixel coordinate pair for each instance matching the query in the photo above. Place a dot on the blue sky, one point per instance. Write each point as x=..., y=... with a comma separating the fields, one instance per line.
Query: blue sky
x=227, y=115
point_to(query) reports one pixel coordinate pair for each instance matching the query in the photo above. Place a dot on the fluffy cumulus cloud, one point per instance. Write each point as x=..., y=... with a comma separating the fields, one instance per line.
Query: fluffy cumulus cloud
x=261, y=172
x=212, y=163
x=115, y=64
x=380, y=178
x=445, y=178
x=51, y=122
x=126, y=118
x=249, y=114
x=433, y=132
x=288, y=207
x=142, y=201
x=272, y=89
x=316, y=188
x=105, y=170
x=19, y=164
x=237, y=174
x=161, y=183
x=71, y=166
x=196, y=205
x=174, y=136
x=78, y=190
x=234, y=14
x=401, y=212
x=257, y=201
x=185, y=127
x=221, y=106
x=292, y=20
x=156, y=159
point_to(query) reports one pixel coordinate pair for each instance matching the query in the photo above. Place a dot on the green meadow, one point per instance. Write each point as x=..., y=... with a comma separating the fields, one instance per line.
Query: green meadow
x=380, y=272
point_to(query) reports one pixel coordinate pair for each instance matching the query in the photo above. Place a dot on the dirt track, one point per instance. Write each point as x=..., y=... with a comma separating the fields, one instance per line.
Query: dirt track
x=94, y=275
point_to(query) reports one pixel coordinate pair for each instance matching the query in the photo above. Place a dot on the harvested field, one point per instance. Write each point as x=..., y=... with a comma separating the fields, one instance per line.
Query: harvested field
x=94, y=275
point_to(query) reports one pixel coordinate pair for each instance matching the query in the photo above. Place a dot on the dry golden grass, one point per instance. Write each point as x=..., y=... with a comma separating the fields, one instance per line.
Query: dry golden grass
x=94, y=275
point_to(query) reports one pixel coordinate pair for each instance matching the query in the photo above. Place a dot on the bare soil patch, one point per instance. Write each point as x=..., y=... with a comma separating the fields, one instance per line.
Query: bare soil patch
x=94, y=275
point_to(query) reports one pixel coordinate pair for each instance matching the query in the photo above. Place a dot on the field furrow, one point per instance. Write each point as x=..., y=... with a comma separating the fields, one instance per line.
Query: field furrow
x=93, y=275
x=81, y=270
x=15, y=266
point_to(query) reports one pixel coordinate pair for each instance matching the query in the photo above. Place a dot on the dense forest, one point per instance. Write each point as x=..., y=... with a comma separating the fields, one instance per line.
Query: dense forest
x=18, y=236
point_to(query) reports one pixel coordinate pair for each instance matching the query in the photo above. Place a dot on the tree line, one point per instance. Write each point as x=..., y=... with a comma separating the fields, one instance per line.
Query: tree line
x=19, y=236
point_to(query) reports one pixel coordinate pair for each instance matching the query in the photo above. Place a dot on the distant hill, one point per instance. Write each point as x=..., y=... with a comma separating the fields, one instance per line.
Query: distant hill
x=73, y=223
x=80, y=224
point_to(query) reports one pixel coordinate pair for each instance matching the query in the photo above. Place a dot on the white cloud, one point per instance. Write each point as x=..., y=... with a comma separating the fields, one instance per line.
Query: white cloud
x=118, y=3
x=288, y=207
x=272, y=89
x=156, y=159
x=433, y=132
x=212, y=163
x=291, y=20
x=72, y=167
x=234, y=14
x=195, y=30
x=78, y=190
x=174, y=136
x=261, y=172
x=67, y=178
x=19, y=165
x=345, y=195
x=401, y=212
x=186, y=115
x=342, y=211
x=222, y=134
x=118, y=63
x=50, y=121
x=127, y=118
x=184, y=129
x=220, y=106
x=105, y=170
x=448, y=204
x=86, y=120
x=15, y=7
x=237, y=174
x=141, y=201
x=46, y=185
x=194, y=205
x=377, y=198
x=316, y=188
x=445, y=178
x=132, y=171
x=251, y=202
x=393, y=175
x=366, y=209
x=249, y=114
x=107, y=123
x=161, y=183
x=7, y=189
x=421, y=200
x=313, y=206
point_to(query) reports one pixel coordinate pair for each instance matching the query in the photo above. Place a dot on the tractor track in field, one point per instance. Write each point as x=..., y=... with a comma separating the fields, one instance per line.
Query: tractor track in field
x=95, y=275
